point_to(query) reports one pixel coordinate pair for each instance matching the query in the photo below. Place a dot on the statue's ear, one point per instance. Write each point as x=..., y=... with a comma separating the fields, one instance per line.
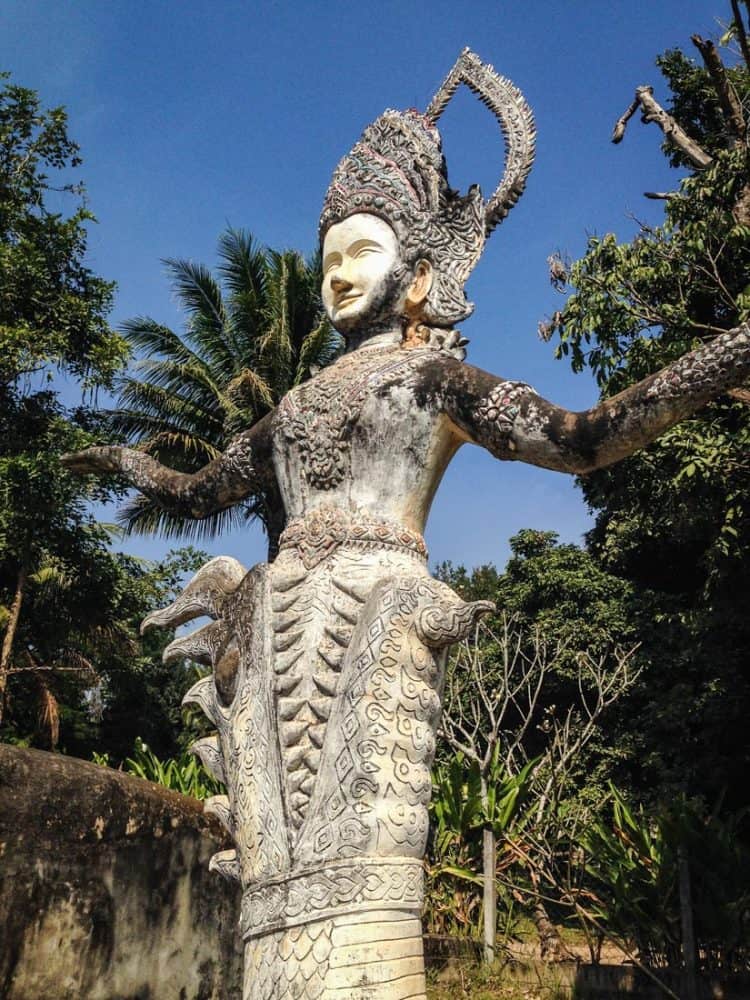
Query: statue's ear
x=420, y=286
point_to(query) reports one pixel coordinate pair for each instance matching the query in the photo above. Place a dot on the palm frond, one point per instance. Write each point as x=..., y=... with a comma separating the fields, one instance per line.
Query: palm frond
x=317, y=350
x=242, y=263
x=51, y=577
x=48, y=716
x=252, y=332
x=144, y=429
x=141, y=516
x=252, y=389
x=194, y=388
x=152, y=400
x=201, y=297
x=73, y=659
x=275, y=343
x=181, y=450
x=148, y=337
x=176, y=374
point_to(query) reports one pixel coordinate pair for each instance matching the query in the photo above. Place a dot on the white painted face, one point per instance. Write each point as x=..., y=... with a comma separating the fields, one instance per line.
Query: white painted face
x=360, y=255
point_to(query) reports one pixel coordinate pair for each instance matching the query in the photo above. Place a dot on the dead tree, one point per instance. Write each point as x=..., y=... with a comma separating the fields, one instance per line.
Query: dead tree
x=735, y=125
x=492, y=704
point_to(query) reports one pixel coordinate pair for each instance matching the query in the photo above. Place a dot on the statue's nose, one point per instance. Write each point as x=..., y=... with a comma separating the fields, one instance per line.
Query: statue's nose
x=339, y=284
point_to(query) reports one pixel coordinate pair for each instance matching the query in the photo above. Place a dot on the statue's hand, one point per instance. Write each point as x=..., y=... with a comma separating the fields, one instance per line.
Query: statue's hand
x=94, y=460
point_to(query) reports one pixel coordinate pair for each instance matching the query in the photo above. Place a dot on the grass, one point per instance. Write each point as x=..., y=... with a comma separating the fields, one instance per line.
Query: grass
x=497, y=983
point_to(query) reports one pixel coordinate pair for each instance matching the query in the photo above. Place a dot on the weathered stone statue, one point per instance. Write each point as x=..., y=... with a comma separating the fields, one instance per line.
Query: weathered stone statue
x=327, y=664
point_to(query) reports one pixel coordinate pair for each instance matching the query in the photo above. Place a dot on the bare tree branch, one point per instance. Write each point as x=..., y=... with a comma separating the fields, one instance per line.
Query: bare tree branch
x=673, y=133
x=494, y=705
x=730, y=103
x=618, y=133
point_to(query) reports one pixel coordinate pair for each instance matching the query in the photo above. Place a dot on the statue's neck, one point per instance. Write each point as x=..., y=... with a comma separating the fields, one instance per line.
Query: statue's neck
x=379, y=337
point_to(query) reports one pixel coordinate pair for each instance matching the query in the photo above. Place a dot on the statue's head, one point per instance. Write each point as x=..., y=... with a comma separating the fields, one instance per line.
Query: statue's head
x=367, y=282
x=398, y=241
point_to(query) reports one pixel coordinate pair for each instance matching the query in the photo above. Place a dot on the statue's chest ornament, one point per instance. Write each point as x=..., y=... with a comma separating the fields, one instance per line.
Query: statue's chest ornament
x=319, y=416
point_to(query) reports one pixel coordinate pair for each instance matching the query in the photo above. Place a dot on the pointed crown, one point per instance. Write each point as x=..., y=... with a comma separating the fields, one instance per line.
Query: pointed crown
x=397, y=171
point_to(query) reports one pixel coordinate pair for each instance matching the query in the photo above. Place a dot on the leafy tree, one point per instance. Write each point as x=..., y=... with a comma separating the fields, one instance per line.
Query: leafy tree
x=675, y=518
x=559, y=593
x=52, y=307
x=52, y=317
x=680, y=728
x=71, y=666
x=250, y=336
x=675, y=515
x=78, y=636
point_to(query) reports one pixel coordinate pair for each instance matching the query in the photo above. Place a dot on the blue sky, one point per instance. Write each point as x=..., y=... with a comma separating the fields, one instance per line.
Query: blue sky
x=192, y=115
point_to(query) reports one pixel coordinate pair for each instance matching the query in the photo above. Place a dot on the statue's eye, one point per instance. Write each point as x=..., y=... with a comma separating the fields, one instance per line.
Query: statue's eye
x=365, y=250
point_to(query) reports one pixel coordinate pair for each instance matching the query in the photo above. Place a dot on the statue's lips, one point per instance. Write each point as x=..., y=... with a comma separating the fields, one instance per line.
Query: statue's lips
x=347, y=300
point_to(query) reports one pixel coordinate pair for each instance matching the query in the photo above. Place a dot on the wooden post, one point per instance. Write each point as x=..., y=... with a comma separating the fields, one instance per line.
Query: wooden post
x=489, y=895
x=689, y=953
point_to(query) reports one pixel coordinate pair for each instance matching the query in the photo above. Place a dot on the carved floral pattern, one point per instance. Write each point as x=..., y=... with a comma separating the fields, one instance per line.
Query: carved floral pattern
x=317, y=535
x=496, y=414
x=338, y=887
x=318, y=416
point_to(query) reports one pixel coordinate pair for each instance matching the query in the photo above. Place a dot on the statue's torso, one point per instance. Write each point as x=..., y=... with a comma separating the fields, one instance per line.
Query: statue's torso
x=363, y=434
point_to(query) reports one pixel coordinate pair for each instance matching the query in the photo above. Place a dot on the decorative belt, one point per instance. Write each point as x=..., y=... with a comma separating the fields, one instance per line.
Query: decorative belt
x=318, y=534
x=331, y=889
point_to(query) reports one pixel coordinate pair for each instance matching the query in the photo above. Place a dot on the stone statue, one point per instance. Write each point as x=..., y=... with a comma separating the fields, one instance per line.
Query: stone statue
x=327, y=664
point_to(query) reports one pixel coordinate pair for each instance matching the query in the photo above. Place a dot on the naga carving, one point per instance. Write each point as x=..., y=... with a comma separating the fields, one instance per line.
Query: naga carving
x=326, y=665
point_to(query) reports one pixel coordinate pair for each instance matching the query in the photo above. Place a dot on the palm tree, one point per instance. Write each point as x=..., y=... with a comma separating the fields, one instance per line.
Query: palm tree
x=249, y=337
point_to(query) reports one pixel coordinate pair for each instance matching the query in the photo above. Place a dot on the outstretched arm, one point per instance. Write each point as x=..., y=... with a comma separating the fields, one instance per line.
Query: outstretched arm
x=513, y=422
x=243, y=470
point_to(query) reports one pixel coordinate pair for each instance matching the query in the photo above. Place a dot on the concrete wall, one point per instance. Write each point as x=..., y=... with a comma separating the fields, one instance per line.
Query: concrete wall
x=105, y=892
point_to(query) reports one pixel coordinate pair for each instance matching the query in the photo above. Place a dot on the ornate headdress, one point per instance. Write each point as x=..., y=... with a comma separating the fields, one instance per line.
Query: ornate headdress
x=397, y=171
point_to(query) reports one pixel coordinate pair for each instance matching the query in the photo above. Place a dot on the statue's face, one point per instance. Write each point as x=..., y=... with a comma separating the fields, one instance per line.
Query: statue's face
x=362, y=273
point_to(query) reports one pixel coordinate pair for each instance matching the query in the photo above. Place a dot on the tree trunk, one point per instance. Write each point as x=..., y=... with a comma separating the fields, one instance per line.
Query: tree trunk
x=10, y=634
x=551, y=946
x=686, y=921
x=489, y=892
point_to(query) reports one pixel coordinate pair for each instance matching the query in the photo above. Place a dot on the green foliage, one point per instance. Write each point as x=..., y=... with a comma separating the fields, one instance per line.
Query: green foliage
x=88, y=619
x=250, y=336
x=459, y=812
x=686, y=279
x=637, y=306
x=694, y=101
x=61, y=592
x=633, y=860
x=459, y=807
x=52, y=307
x=183, y=774
x=561, y=592
x=73, y=672
x=673, y=521
x=693, y=695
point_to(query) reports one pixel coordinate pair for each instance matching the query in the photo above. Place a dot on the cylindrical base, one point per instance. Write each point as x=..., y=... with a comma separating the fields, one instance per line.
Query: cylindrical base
x=376, y=955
